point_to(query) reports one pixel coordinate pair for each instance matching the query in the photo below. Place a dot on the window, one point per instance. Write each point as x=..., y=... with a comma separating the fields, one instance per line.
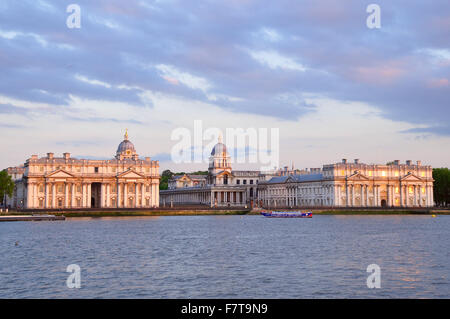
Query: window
x=238, y=181
x=396, y=190
x=383, y=173
x=96, y=169
x=245, y=182
x=41, y=188
x=60, y=189
x=147, y=202
x=396, y=174
x=251, y=181
x=78, y=188
x=41, y=168
x=147, y=188
x=423, y=190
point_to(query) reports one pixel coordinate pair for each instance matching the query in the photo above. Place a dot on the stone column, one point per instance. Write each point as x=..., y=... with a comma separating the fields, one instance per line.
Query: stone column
x=29, y=203
x=35, y=196
x=53, y=195
x=353, y=195
x=125, y=195
x=118, y=200
x=143, y=195
x=107, y=195
x=102, y=195
x=401, y=194
x=347, y=193
x=136, y=195
x=415, y=194
x=89, y=193
x=153, y=188
x=47, y=194
x=83, y=195
x=212, y=198
x=66, y=195
x=72, y=201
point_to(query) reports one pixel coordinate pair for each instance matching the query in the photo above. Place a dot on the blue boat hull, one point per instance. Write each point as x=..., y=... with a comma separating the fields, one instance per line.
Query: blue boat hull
x=287, y=214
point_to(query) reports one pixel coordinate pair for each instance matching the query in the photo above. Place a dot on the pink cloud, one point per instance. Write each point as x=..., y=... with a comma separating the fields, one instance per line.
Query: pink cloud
x=438, y=83
x=171, y=80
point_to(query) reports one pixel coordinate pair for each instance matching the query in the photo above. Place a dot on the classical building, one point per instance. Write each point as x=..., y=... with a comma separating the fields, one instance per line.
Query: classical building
x=352, y=185
x=50, y=182
x=221, y=187
x=336, y=185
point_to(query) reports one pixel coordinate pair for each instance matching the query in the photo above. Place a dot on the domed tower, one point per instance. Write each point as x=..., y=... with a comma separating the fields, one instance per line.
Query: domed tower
x=126, y=149
x=219, y=163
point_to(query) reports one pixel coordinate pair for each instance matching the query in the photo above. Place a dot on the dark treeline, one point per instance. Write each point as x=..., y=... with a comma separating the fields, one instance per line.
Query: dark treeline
x=441, y=178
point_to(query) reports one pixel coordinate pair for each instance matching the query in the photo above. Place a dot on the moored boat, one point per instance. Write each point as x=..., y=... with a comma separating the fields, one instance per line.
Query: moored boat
x=276, y=214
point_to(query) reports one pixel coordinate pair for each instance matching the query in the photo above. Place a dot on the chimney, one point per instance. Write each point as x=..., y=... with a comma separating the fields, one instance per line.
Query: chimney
x=397, y=162
x=344, y=161
x=408, y=162
x=66, y=156
x=419, y=163
x=49, y=155
x=356, y=160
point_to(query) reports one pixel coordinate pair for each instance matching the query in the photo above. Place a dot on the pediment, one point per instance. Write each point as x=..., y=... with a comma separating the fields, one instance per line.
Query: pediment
x=130, y=174
x=410, y=177
x=185, y=178
x=357, y=177
x=60, y=174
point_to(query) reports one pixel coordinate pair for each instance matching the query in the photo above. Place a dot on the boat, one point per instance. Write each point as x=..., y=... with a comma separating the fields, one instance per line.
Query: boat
x=276, y=214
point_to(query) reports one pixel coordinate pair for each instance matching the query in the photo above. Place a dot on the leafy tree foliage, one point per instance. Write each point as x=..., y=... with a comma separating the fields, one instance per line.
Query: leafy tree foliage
x=441, y=187
x=6, y=186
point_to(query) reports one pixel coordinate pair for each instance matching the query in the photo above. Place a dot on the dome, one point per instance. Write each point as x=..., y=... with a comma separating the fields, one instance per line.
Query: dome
x=219, y=149
x=124, y=146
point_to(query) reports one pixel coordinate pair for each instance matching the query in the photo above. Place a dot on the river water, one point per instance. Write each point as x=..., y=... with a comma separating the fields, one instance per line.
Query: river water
x=227, y=257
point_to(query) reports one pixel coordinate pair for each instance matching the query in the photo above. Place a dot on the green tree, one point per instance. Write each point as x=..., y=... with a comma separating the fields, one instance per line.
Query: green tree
x=6, y=186
x=164, y=181
x=441, y=186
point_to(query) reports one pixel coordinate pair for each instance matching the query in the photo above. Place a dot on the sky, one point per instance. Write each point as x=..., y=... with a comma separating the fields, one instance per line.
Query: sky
x=313, y=69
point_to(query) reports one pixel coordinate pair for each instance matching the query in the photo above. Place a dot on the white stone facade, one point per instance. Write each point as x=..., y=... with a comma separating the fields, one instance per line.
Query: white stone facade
x=222, y=187
x=352, y=185
x=69, y=183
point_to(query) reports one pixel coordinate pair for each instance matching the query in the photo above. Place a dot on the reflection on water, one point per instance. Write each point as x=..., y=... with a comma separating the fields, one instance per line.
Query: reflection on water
x=227, y=257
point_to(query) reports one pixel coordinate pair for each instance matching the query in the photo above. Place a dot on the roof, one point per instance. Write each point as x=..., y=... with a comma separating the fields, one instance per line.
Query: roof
x=191, y=176
x=296, y=178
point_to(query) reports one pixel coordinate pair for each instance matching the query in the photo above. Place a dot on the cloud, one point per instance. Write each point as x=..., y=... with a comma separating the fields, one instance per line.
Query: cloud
x=246, y=57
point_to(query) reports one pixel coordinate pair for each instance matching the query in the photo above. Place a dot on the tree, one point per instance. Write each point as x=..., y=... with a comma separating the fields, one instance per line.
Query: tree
x=164, y=182
x=6, y=186
x=441, y=186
